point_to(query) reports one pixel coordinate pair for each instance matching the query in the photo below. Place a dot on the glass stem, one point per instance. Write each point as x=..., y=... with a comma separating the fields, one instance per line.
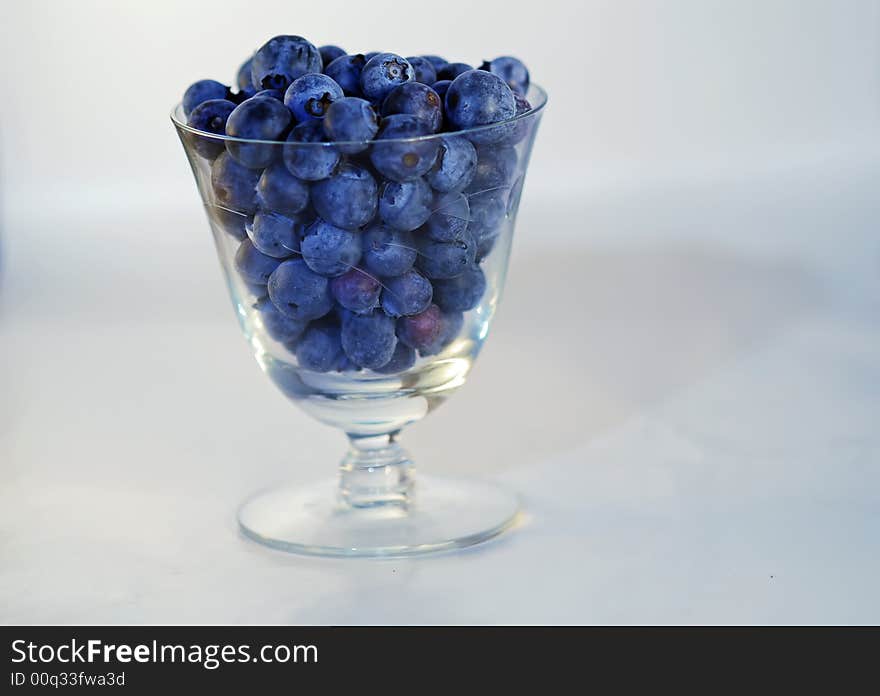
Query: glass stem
x=376, y=472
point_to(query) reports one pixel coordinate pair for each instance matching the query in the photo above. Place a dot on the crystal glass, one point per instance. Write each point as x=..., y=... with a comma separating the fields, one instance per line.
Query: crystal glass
x=375, y=506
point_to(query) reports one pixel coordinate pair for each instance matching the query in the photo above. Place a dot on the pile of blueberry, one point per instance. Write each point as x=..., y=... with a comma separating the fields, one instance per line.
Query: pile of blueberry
x=362, y=239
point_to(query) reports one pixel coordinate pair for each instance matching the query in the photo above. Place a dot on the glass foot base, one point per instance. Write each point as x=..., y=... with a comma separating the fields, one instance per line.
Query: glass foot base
x=443, y=514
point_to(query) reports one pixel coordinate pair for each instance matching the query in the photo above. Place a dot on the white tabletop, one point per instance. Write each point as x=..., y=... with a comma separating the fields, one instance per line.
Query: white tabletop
x=683, y=384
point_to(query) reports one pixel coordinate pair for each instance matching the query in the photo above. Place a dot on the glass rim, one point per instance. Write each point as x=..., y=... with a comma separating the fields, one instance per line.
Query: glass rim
x=540, y=93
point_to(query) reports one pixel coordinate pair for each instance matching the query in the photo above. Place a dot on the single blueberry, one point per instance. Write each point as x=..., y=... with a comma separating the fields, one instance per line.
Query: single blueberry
x=421, y=331
x=369, y=339
x=329, y=250
x=275, y=234
x=356, y=290
x=405, y=206
x=298, y=292
x=486, y=211
x=210, y=116
x=446, y=259
x=450, y=328
x=309, y=162
x=424, y=70
x=512, y=70
x=243, y=79
x=477, y=98
x=202, y=91
x=441, y=87
x=437, y=61
x=382, y=73
x=388, y=252
x=353, y=121
x=417, y=99
x=462, y=293
x=348, y=198
x=258, y=118
x=406, y=294
x=281, y=60
x=496, y=167
x=452, y=70
x=406, y=155
x=455, y=165
x=449, y=218
x=253, y=266
x=234, y=186
x=280, y=327
x=280, y=192
x=346, y=72
x=320, y=348
x=311, y=95
x=329, y=53
x=403, y=358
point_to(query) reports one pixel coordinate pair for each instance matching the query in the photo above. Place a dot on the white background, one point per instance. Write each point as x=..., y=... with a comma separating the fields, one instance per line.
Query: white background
x=683, y=378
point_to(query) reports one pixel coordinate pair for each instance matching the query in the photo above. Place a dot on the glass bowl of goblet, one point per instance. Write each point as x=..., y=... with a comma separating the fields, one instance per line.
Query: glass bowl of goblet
x=365, y=276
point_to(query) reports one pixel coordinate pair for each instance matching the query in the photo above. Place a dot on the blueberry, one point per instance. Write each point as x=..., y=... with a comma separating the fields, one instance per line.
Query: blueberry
x=356, y=290
x=282, y=328
x=347, y=199
x=388, y=252
x=210, y=116
x=424, y=70
x=329, y=53
x=240, y=96
x=353, y=121
x=477, y=98
x=310, y=162
x=450, y=327
x=311, y=95
x=452, y=70
x=404, y=160
x=436, y=61
x=298, y=292
x=281, y=60
x=417, y=99
x=421, y=331
x=455, y=165
x=449, y=218
x=234, y=186
x=275, y=234
x=371, y=54
x=462, y=293
x=384, y=72
x=405, y=206
x=280, y=192
x=406, y=294
x=495, y=169
x=403, y=358
x=330, y=251
x=243, y=79
x=202, y=91
x=232, y=222
x=346, y=72
x=258, y=118
x=320, y=348
x=511, y=70
x=369, y=339
x=486, y=210
x=446, y=259
x=253, y=266
x=441, y=87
